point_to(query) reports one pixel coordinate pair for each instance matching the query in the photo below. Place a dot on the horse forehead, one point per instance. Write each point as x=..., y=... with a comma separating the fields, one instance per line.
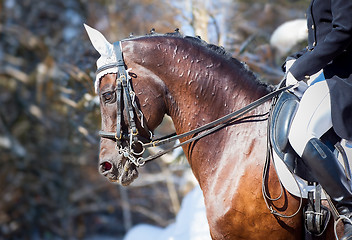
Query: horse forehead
x=107, y=80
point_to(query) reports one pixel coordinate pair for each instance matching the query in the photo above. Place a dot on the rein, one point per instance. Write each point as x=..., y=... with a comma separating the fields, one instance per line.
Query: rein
x=124, y=90
x=230, y=119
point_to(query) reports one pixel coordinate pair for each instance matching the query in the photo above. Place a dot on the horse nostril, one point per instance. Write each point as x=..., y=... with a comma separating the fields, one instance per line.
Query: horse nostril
x=105, y=167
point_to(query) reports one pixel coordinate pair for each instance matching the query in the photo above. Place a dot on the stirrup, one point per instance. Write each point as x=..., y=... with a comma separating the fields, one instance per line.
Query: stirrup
x=316, y=216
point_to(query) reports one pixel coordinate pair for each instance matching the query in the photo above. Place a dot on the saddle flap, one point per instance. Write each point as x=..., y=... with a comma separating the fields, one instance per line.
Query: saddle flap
x=280, y=123
x=282, y=116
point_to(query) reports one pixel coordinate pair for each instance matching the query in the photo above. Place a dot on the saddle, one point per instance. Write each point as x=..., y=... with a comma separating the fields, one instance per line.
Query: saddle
x=281, y=119
x=282, y=112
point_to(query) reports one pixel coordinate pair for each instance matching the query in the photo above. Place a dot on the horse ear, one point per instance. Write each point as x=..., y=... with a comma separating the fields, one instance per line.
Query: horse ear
x=99, y=41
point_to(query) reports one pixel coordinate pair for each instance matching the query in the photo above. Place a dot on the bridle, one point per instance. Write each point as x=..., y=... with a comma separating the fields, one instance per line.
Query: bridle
x=125, y=93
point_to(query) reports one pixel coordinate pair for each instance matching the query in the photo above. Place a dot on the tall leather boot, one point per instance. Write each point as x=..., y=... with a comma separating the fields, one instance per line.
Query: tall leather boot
x=330, y=174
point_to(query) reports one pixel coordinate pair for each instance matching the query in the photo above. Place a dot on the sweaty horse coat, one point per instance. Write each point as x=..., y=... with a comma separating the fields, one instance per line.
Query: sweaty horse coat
x=329, y=48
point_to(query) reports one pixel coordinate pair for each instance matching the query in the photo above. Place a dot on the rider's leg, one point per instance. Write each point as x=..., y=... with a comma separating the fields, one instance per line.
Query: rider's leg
x=313, y=117
x=312, y=120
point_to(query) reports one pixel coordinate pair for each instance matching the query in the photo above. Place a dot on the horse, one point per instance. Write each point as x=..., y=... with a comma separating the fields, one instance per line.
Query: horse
x=196, y=83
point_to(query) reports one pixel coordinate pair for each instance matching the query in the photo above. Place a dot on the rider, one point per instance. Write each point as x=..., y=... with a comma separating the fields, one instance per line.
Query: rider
x=327, y=100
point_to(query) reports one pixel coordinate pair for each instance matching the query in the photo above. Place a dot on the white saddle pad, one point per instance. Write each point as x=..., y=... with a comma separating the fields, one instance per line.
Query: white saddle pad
x=291, y=182
x=296, y=185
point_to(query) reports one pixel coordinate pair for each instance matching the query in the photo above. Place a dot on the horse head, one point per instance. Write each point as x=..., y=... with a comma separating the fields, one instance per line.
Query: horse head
x=140, y=79
x=124, y=88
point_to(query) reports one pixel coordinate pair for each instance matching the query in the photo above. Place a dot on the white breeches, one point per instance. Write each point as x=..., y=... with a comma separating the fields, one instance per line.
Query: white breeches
x=313, y=117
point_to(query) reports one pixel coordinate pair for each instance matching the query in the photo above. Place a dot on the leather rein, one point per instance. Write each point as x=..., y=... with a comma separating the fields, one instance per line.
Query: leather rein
x=125, y=93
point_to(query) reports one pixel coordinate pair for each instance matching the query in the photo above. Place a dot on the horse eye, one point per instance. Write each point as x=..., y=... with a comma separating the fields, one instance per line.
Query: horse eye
x=108, y=97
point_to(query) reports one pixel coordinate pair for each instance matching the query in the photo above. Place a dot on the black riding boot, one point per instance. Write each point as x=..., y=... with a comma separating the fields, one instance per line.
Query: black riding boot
x=330, y=174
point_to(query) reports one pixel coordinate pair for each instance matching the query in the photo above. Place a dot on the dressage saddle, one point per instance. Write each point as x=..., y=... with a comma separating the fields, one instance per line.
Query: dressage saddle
x=281, y=116
x=282, y=113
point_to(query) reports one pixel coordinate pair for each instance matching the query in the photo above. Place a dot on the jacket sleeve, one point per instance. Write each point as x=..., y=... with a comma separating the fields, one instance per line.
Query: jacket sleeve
x=335, y=42
x=293, y=56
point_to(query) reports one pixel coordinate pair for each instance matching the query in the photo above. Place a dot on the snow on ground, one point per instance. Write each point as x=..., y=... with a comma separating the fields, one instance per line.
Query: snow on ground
x=191, y=223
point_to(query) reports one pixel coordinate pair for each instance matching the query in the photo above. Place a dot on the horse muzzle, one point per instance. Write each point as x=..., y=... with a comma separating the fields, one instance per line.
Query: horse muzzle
x=121, y=171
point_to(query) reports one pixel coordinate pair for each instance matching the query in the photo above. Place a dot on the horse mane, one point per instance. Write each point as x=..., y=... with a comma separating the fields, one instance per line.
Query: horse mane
x=221, y=51
x=218, y=50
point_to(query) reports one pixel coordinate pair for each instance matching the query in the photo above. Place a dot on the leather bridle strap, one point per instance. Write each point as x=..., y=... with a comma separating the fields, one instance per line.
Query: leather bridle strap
x=122, y=75
x=118, y=135
x=128, y=107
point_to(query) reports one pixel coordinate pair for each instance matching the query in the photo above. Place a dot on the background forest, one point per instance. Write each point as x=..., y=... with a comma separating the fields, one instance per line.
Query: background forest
x=49, y=115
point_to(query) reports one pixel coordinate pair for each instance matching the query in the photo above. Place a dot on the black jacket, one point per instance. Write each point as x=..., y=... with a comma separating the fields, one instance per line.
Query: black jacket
x=330, y=48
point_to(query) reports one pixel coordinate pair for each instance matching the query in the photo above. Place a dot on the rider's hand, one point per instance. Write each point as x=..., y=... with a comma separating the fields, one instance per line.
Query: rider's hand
x=298, y=88
x=289, y=64
x=290, y=79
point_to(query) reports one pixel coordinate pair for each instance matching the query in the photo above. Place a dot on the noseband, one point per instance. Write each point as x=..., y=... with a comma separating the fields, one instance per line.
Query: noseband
x=125, y=93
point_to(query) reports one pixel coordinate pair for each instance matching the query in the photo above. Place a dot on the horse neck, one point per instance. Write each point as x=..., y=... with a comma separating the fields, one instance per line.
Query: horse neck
x=201, y=86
